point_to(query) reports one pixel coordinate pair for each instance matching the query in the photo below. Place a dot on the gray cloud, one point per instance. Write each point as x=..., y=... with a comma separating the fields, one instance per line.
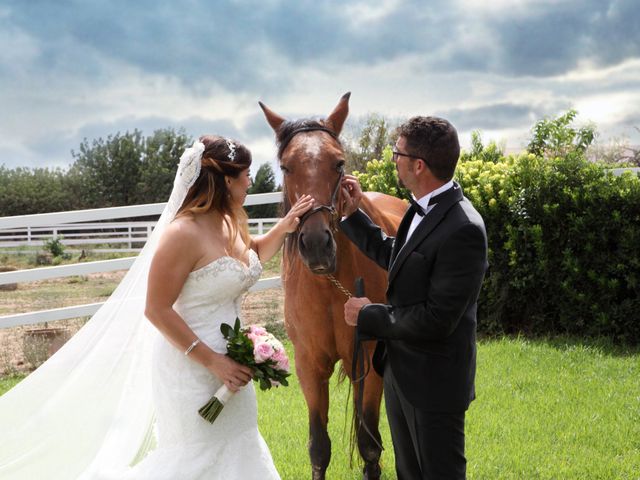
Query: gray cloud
x=552, y=41
x=242, y=44
x=55, y=55
x=498, y=116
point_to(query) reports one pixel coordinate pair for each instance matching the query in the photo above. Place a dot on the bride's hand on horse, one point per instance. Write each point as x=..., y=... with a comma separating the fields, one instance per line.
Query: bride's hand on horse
x=233, y=374
x=291, y=220
x=351, y=195
x=352, y=309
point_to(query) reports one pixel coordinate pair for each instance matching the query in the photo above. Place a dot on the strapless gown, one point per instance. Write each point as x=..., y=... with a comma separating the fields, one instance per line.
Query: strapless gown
x=189, y=447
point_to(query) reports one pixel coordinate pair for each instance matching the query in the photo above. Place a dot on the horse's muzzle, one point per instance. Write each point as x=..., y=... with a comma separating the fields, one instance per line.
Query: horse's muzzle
x=318, y=250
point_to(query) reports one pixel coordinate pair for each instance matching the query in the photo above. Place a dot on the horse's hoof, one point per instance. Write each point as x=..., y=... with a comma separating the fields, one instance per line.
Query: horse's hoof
x=317, y=473
x=371, y=471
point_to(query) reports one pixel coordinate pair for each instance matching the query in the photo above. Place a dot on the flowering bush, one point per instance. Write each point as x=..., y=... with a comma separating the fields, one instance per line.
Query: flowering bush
x=564, y=238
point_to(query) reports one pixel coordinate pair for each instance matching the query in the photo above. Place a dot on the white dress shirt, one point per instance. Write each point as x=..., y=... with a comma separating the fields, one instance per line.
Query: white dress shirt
x=424, y=203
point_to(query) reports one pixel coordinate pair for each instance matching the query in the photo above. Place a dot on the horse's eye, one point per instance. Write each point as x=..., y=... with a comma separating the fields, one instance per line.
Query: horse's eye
x=340, y=166
x=284, y=169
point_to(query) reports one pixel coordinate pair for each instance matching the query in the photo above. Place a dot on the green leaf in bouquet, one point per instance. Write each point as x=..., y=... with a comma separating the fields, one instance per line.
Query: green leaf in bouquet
x=226, y=330
x=264, y=384
x=236, y=326
x=284, y=382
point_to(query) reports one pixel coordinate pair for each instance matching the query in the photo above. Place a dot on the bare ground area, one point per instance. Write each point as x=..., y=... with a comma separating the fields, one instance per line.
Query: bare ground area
x=22, y=350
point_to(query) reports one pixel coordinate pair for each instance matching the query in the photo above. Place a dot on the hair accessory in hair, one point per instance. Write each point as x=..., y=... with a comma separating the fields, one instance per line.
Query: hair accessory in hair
x=190, y=163
x=232, y=150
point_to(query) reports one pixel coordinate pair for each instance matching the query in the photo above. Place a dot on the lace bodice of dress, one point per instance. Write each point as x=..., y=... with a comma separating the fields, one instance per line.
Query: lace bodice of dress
x=213, y=293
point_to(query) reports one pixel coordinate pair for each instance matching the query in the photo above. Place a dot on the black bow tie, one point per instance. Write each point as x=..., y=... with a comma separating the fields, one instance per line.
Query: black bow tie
x=417, y=208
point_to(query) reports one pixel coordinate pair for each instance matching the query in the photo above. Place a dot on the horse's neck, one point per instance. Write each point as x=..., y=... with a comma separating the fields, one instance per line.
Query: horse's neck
x=372, y=211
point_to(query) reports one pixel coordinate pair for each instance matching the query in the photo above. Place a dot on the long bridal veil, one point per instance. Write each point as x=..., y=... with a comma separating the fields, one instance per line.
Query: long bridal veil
x=88, y=409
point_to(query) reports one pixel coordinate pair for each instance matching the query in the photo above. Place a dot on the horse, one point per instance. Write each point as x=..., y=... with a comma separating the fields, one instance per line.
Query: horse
x=319, y=266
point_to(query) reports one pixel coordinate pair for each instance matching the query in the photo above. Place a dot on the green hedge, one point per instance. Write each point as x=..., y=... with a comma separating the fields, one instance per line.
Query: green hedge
x=564, y=242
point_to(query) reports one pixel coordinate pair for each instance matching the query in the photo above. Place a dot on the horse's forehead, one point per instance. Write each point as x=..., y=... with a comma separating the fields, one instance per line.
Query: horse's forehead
x=311, y=156
x=314, y=149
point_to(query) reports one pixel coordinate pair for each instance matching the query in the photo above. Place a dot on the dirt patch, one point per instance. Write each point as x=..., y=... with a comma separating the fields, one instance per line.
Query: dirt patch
x=265, y=307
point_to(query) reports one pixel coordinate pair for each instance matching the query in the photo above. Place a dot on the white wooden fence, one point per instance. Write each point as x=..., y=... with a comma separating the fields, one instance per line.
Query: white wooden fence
x=55, y=220
x=101, y=236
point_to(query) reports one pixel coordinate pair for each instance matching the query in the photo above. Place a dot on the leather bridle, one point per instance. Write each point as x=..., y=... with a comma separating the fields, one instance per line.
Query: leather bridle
x=331, y=209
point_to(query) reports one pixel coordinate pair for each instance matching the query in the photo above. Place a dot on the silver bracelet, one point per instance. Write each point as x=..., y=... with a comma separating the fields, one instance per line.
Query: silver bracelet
x=192, y=346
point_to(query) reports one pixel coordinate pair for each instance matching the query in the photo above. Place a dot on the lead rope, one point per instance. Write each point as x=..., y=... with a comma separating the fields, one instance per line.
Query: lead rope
x=339, y=286
x=357, y=363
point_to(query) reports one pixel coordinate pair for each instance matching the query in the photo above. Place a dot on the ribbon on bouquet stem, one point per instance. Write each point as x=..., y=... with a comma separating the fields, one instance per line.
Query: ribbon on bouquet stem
x=213, y=407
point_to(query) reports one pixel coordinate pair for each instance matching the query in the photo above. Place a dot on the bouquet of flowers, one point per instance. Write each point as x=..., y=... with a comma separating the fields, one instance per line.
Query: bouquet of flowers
x=256, y=348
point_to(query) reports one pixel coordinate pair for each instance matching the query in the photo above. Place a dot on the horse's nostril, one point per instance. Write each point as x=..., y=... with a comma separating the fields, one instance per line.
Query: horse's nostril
x=301, y=240
x=328, y=237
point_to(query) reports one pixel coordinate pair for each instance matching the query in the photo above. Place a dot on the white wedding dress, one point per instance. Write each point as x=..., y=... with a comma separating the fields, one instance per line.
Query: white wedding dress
x=188, y=446
x=118, y=401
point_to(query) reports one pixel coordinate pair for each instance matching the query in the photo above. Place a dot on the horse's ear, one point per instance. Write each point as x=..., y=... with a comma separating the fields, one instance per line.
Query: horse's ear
x=273, y=118
x=336, y=119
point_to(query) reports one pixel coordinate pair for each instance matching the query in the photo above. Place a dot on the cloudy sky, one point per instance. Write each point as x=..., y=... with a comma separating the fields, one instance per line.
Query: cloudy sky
x=85, y=69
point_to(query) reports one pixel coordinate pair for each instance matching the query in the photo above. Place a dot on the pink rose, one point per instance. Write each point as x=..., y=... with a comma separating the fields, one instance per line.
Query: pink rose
x=262, y=352
x=259, y=331
x=282, y=362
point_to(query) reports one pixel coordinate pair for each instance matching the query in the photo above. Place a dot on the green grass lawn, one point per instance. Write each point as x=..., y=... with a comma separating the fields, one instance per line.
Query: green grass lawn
x=546, y=409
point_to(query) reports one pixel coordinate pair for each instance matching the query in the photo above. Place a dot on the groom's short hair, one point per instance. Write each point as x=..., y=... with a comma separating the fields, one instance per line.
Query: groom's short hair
x=434, y=140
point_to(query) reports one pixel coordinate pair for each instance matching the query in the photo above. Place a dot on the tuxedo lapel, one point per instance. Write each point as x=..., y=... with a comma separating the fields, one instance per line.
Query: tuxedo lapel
x=402, y=233
x=402, y=250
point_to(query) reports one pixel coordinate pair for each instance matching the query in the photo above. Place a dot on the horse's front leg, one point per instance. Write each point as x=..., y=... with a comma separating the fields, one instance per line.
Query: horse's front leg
x=314, y=377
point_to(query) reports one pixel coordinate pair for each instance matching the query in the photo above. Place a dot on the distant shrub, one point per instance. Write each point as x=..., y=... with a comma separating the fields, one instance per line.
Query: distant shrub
x=55, y=247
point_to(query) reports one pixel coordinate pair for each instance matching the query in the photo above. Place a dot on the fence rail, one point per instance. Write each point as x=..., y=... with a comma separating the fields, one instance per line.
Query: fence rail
x=97, y=234
x=86, y=310
x=59, y=221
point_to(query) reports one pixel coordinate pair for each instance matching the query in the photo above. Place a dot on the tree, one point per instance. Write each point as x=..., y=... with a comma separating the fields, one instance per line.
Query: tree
x=264, y=182
x=106, y=172
x=373, y=135
x=162, y=152
x=619, y=151
x=555, y=137
x=25, y=191
x=491, y=153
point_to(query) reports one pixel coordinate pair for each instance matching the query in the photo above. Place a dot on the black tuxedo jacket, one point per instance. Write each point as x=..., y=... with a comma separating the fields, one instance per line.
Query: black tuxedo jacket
x=427, y=332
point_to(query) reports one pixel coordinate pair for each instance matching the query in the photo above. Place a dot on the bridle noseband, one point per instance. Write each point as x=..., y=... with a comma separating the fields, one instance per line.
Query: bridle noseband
x=333, y=211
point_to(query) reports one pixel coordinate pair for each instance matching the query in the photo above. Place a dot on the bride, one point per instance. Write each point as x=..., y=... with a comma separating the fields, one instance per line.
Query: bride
x=119, y=401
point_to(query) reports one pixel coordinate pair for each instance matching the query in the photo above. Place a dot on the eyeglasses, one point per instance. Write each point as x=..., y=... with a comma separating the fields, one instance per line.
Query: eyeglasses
x=396, y=154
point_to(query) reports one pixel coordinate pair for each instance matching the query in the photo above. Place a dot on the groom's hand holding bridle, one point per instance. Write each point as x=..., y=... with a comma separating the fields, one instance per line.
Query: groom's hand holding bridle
x=352, y=309
x=351, y=195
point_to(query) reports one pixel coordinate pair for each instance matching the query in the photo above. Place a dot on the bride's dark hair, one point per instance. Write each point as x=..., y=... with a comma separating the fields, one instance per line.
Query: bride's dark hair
x=221, y=158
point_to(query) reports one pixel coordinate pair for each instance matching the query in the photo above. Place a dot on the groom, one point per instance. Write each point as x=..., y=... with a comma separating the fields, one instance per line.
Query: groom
x=426, y=349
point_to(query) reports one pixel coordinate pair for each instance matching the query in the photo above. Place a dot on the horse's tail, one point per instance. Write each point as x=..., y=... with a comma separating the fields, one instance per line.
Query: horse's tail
x=353, y=428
